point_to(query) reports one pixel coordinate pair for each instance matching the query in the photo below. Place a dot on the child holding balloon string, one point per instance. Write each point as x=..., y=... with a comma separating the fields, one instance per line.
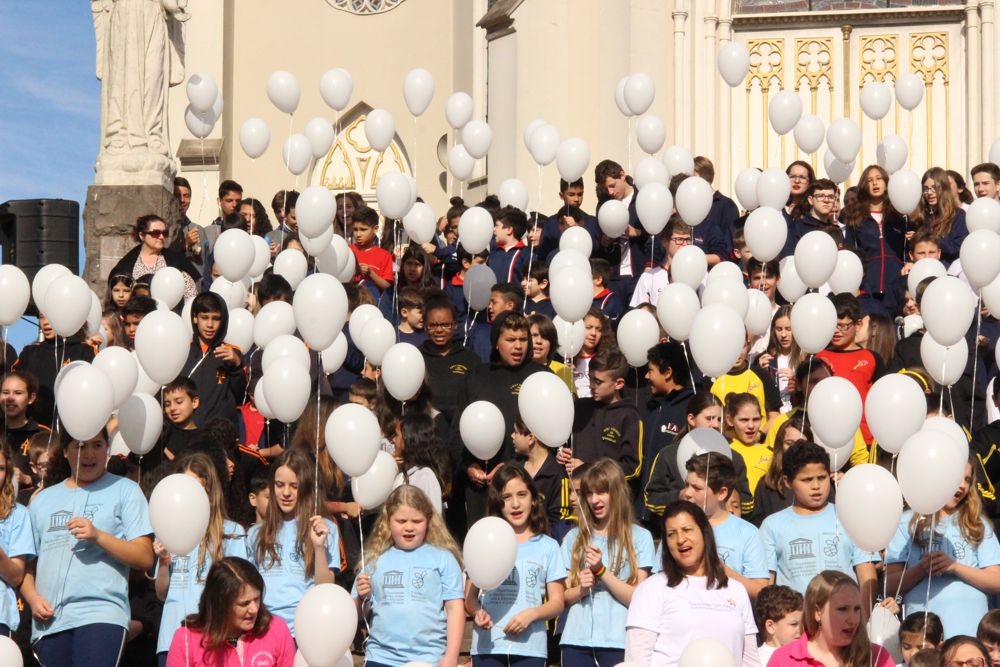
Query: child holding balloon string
x=180, y=579
x=509, y=620
x=411, y=586
x=295, y=547
x=607, y=556
x=948, y=562
x=782, y=355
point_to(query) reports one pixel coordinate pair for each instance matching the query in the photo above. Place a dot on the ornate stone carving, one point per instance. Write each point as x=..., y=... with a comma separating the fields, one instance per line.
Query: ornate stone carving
x=364, y=6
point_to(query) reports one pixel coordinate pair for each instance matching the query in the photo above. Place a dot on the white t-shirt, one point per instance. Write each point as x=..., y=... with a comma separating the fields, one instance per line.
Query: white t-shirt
x=649, y=286
x=690, y=611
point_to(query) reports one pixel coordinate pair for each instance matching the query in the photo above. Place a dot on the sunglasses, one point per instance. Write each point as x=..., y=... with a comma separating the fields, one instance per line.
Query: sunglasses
x=128, y=281
x=158, y=233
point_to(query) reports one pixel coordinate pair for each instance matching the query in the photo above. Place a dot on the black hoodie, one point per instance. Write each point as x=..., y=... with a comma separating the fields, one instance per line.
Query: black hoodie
x=221, y=386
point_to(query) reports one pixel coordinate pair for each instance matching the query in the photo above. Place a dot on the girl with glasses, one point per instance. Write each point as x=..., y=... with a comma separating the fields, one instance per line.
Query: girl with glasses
x=941, y=213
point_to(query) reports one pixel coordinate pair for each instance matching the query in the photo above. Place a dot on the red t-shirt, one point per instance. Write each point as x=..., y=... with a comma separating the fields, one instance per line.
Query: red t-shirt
x=861, y=367
x=378, y=258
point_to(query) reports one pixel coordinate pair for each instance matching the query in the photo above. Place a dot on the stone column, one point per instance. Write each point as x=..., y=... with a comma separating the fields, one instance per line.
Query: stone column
x=974, y=140
x=681, y=62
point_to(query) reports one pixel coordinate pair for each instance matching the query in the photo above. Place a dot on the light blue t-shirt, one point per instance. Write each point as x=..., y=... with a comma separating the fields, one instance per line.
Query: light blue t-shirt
x=409, y=589
x=286, y=581
x=800, y=546
x=960, y=605
x=539, y=562
x=187, y=581
x=16, y=540
x=598, y=620
x=739, y=547
x=83, y=582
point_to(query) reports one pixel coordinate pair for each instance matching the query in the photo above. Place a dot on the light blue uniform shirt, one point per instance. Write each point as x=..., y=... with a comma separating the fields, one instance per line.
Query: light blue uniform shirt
x=539, y=562
x=739, y=547
x=409, y=589
x=800, y=546
x=598, y=620
x=960, y=605
x=83, y=582
x=285, y=582
x=187, y=581
x=16, y=540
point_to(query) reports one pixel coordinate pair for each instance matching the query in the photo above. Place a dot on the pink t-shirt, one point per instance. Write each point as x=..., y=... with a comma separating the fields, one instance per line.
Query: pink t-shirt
x=275, y=648
x=796, y=654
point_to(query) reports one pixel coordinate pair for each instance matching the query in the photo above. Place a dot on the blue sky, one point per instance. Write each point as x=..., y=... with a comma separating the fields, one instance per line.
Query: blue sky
x=50, y=106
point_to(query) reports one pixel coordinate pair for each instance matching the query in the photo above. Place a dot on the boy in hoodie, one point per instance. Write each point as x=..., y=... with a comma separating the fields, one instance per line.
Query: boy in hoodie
x=509, y=257
x=604, y=425
x=214, y=366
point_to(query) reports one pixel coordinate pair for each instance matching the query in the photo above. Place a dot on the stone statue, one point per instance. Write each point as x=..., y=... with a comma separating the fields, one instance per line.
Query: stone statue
x=140, y=54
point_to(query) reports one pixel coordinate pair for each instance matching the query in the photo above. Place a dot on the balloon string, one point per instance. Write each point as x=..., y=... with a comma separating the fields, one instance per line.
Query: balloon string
x=975, y=364
x=930, y=571
x=539, y=202
x=414, y=158
x=319, y=371
x=687, y=355
x=805, y=391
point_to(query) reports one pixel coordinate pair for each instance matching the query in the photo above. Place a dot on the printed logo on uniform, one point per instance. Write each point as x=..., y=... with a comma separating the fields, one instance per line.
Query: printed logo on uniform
x=800, y=548
x=418, y=578
x=515, y=389
x=263, y=659
x=611, y=435
x=458, y=369
x=58, y=520
x=393, y=579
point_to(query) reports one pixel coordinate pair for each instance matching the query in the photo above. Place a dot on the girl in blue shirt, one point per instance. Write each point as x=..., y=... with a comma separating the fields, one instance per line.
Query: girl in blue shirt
x=510, y=619
x=294, y=547
x=411, y=585
x=16, y=544
x=607, y=556
x=180, y=580
x=89, y=531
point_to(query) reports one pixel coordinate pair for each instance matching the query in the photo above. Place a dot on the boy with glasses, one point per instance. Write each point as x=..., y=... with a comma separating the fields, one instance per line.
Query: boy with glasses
x=674, y=236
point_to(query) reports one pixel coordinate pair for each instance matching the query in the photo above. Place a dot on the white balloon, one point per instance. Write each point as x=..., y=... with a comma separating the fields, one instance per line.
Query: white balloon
x=320, y=134
x=333, y=357
x=639, y=93
x=980, y=255
x=678, y=160
x=694, y=199
x=94, y=317
x=837, y=171
x=296, y=153
x=570, y=336
x=891, y=153
x=202, y=91
x=372, y=488
x=120, y=367
x=84, y=419
x=544, y=144
x=876, y=100
x=649, y=170
x=733, y=63
x=638, y=331
x=420, y=223
x=725, y=271
x=43, y=279
x=676, y=308
x=895, y=409
x=199, y=123
x=168, y=286
x=140, y=422
x=716, y=340
x=926, y=267
x=460, y=163
x=689, y=266
x=335, y=87
x=571, y=291
x=654, y=205
x=773, y=188
x=234, y=254
x=377, y=337
x=529, y=130
x=239, y=333
x=273, y=320
x=403, y=371
x=834, y=410
x=949, y=309
x=10, y=653
x=620, y=98
x=730, y=293
x=814, y=320
x=546, y=406
x=847, y=274
x=759, y=312
x=316, y=246
x=16, y=290
x=283, y=91
x=700, y=441
x=869, y=505
x=315, y=210
x=67, y=304
x=233, y=293
x=179, y=513
x=482, y=429
x=291, y=265
x=613, y=217
x=746, y=187
x=255, y=137
x=844, y=139
x=418, y=90
x=162, y=342
x=809, y=133
x=477, y=138
x=379, y=129
x=930, y=469
x=909, y=91
x=650, y=134
x=360, y=316
x=784, y=111
x=984, y=213
x=325, y=620
x=353, y=438
x=475, y=229
x=489, y=552
x=285, y=346
x=765, y=232
x=577, y=238
x=513, y=192
x=572, y=158
x=287, y=389
x=815, y=258
x=458, y=110
x=394, y=194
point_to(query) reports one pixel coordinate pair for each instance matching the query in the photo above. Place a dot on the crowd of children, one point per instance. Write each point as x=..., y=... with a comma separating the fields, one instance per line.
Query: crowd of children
x=597, y=520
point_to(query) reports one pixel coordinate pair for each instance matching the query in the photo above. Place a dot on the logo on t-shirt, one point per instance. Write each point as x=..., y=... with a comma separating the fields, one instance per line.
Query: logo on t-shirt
x=393, y=579
x=263, y=659
x=800, y=548
x=458, y=369
x=59, y=520
x=419, y=574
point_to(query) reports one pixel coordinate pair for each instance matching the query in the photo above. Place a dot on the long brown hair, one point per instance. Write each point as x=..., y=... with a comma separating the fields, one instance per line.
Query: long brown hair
x=213, y=542
x=774, y=478
x=819, y=591
x=715, y=571
x=266, y=548
x=606, y=476
x=223, y=585
x=538, y=520
x=858, y=210
x=7, y=497
x=941, y=217
x=311, y=439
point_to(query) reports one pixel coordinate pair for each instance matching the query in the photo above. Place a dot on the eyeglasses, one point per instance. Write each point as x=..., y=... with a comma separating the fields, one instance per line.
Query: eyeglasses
x=844, y=326
x=930, y=188
x=978, y=661
x=797, y=177
x=439, y=326
x=158, y=233
x=825, y=197
x=680, y=240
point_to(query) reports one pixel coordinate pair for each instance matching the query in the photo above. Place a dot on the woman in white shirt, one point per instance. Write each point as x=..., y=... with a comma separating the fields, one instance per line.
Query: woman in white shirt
x=692, y=598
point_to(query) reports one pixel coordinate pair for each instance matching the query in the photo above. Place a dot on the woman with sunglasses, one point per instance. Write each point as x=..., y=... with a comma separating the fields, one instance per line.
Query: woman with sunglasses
x=152, y=254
